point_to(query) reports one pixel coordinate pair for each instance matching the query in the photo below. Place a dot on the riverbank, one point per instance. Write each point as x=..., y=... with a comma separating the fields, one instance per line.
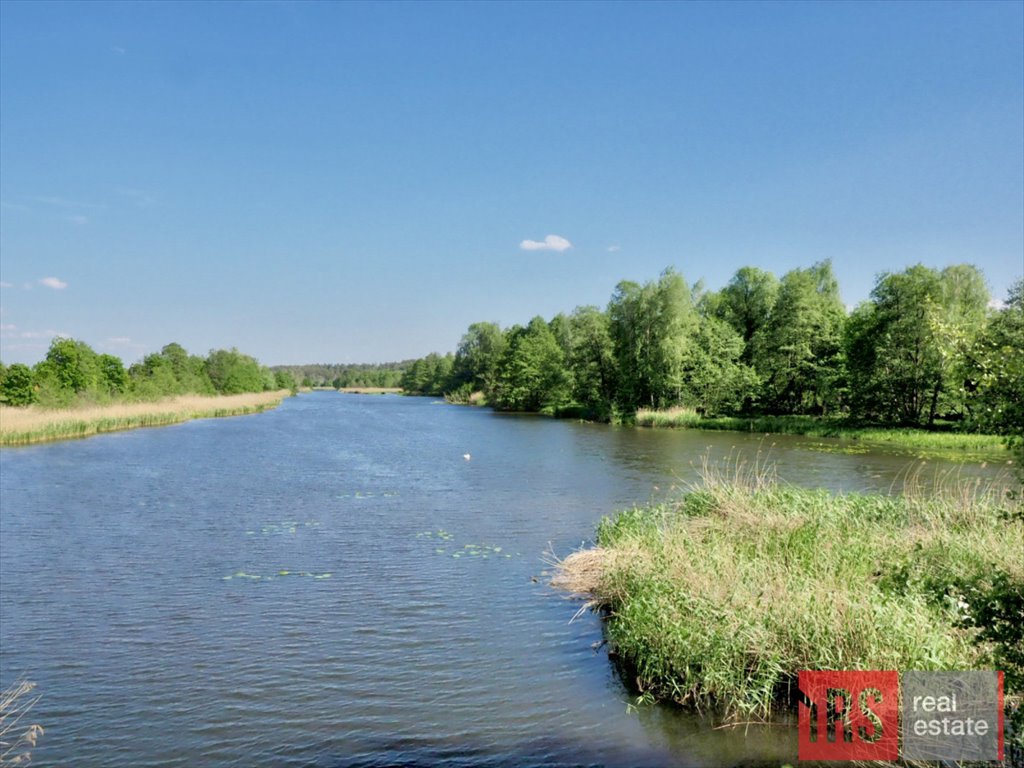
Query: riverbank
x=23, y=426
x=975, y=446
x=719, y=599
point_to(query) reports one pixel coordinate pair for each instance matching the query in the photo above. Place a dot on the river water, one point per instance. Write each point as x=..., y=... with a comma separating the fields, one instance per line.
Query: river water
x=413, y=626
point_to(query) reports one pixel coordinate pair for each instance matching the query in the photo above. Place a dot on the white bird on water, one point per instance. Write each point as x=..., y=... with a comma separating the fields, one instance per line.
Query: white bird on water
x=466, y=456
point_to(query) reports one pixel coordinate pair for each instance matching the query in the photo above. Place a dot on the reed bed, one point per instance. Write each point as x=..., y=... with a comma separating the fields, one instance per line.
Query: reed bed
x=718, y=599
x=23, y=426
x=982, y=446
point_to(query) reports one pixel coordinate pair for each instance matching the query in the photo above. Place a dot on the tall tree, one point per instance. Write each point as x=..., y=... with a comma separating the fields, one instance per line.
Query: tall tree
x=717, y=380
x=747, y=302
x=532, y=373
x=798, y=351
x=905, y=348
x=652, y=329
x=591, y=360
x=478, y=356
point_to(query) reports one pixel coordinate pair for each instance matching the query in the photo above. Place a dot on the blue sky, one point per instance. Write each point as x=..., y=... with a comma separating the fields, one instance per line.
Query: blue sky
x=344, y=182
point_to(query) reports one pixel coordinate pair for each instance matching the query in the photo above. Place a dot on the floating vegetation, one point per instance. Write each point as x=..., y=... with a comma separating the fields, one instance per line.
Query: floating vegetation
x=440, y=534
x=279, y=574
x=280, y=529
x=482, y=551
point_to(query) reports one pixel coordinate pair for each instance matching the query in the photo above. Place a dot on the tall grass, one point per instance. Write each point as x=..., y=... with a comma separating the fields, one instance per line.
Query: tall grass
x=814, y=426
x=21, y=426
x=720, y=598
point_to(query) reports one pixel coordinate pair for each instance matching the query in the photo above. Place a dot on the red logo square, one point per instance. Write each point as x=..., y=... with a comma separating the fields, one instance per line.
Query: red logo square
x=848, y=715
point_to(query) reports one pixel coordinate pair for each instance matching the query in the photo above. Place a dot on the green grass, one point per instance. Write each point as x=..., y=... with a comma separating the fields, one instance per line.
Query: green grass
x=933, y=442
x=719, y=599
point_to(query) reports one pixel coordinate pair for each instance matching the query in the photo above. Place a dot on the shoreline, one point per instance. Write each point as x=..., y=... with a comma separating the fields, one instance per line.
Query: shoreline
x=924, y=443
x=33, y=425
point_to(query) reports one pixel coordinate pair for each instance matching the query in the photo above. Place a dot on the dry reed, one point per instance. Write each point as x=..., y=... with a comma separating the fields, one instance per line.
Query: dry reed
x=21, y=426
x=17, y=741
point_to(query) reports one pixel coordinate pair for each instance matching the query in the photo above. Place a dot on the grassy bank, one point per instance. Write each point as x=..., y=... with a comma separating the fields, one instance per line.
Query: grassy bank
x=812, y=426
x=719, y=599
x=22, y=426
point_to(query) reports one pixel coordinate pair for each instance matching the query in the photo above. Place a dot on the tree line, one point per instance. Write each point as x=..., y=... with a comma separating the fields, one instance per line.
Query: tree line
x=73, y=373
x=341, y=375
x=925, y=346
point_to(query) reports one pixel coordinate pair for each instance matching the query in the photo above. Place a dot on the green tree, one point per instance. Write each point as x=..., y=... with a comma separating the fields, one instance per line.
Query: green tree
x=798, y=352
x=478, y=357
x=746, y=303
x=72, y=366
x=906, y=348
x=232, y=372
x=532, y=371
x=18, y=387
x=284, y=380
x=652, y=329
x=591, y=360
x=995, y=365
x=717, y=380
x=113, y=377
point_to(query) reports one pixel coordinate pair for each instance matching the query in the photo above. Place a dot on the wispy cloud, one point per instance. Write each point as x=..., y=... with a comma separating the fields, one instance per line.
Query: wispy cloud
x=555, y=243
x=13, y=206
x=63, y=202
x=122, y=344
x=78, y=219
x=53, y=282
x=139, y=197
x=118, y=50
x=614, y=248
x=10, y=331
x=5, y=284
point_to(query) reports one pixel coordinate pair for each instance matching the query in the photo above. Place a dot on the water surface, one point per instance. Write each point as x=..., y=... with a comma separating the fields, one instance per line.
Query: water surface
x=379, y=646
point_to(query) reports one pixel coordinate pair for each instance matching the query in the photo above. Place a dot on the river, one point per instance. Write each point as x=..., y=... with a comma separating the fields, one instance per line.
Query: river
x=142, y=588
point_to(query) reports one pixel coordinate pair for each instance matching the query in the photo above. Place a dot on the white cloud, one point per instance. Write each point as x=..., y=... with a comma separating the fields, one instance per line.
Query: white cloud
x=78, y=219
x=118, y=50
x=5, y=284
x=53, y=282
x=614, y=248
x=996, y=304
x=5, y=327
x=550, y=243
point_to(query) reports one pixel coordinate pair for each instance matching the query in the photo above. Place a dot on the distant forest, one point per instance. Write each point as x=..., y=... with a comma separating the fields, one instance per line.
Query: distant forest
x=926, y=346
x=342, y=375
